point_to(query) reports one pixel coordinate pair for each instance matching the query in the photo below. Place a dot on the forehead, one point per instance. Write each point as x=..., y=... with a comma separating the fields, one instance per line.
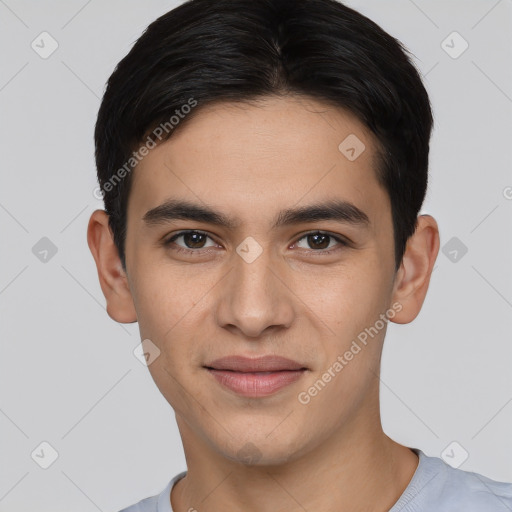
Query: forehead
x=261, y=157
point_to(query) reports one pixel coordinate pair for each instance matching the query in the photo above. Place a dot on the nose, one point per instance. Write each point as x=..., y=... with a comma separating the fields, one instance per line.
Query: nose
x=255, y=297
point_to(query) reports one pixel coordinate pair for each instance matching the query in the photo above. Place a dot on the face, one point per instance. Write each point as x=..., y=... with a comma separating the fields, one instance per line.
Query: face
x=275, y=272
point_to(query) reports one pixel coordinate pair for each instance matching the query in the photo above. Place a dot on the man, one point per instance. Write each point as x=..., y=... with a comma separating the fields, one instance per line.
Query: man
x=263, y=164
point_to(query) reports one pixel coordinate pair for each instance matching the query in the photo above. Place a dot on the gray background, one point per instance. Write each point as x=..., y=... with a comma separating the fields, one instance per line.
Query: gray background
x=69, y=376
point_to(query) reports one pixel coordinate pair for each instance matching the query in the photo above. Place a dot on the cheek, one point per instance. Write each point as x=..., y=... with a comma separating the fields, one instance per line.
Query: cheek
x=159, y=288
x=347, y=298
x=172, y=306
x=167, y=312
x=351, y=306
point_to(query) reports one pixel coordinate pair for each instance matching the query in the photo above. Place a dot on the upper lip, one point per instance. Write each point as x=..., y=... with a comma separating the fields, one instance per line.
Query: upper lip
x=269, y=363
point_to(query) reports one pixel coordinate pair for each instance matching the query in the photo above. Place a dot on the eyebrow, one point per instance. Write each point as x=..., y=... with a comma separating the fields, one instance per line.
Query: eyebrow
x=337, y=210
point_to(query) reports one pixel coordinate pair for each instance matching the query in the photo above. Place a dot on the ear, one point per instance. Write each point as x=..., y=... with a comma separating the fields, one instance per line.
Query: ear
x=413, y=276
x=113, y=279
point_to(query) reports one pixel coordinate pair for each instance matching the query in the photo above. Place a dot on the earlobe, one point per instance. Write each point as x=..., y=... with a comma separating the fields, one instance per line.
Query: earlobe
x=113, y=279
x=413, y=276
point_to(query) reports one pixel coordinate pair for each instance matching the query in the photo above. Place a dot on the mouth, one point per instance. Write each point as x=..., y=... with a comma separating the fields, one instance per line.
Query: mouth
x=255, y=377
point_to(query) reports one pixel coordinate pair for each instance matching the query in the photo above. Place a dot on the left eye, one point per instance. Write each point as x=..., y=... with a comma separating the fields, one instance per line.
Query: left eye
x=320, y=241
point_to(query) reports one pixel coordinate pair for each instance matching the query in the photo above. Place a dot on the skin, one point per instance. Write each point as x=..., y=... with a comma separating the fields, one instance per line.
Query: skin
x=250, y=162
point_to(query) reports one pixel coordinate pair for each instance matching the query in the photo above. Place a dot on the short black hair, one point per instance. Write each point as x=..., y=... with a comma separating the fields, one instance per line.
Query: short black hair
x=208, y=51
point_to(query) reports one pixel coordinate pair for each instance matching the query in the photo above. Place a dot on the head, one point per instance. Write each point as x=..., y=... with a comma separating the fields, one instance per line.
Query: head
x=289, y=141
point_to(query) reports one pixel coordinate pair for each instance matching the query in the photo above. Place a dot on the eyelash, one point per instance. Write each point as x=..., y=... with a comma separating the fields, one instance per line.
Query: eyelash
x=169, y=241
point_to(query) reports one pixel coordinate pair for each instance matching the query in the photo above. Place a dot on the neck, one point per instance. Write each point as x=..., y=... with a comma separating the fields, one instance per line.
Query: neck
x=357, y=468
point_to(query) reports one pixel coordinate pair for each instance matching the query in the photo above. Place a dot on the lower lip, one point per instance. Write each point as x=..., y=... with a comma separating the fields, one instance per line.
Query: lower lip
x=256, y=384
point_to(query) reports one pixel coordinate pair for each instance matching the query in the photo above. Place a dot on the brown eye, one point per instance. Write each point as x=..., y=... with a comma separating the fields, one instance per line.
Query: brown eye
x=319, y=241
x=194, y=240
x=191, y=240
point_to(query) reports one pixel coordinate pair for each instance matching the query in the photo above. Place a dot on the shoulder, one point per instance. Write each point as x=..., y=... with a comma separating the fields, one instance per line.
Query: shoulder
x=146, y=505
x=437, y=486
x=476, y=492
x=158, y=503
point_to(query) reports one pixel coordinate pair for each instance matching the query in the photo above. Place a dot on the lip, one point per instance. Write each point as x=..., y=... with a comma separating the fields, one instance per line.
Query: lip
x=255, y=377
x=268, y=363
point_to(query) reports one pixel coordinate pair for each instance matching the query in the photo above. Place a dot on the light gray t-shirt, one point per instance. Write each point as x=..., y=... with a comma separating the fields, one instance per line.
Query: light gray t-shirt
x=434, y=487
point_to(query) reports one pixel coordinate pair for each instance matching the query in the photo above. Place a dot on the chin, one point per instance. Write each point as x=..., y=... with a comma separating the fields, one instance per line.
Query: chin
x=262, y=451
